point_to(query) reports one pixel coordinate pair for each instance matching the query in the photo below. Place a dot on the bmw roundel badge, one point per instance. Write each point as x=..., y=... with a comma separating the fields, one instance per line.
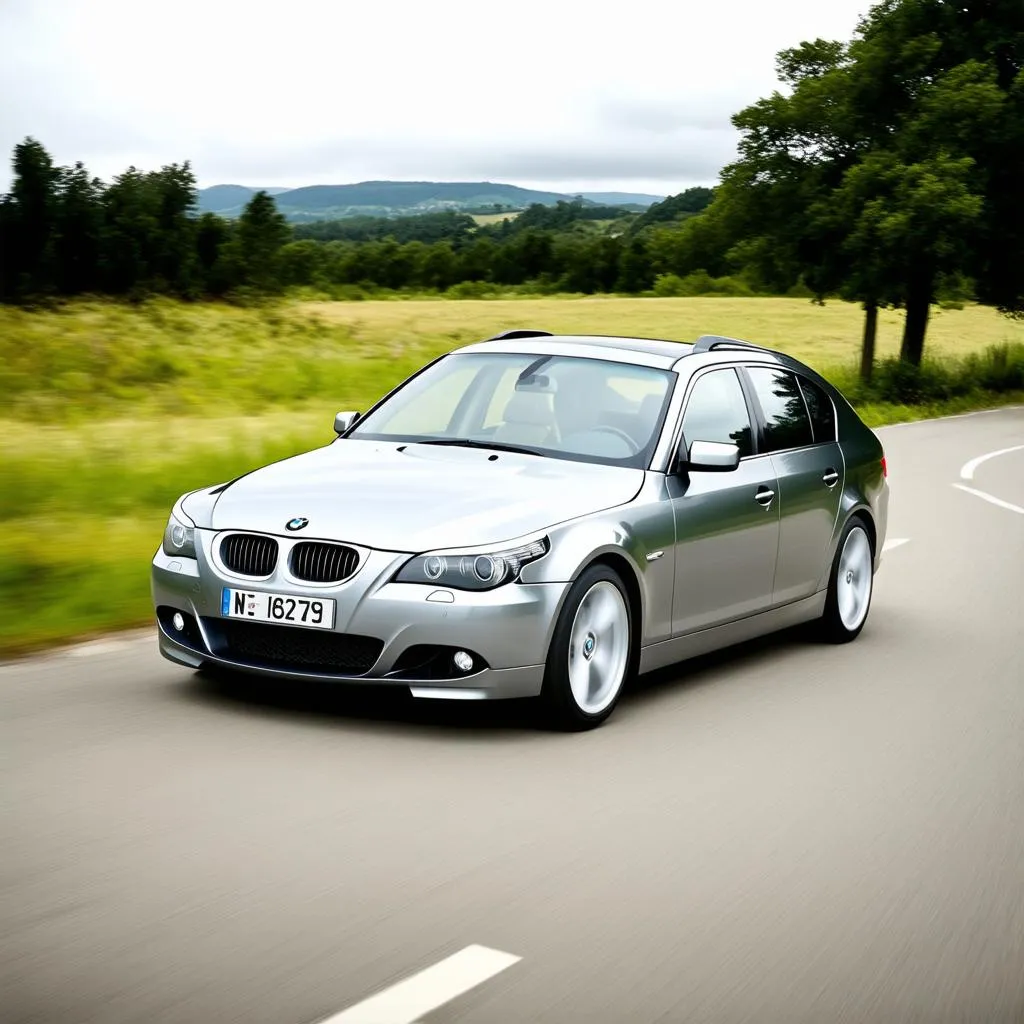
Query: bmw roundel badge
x=297, y=523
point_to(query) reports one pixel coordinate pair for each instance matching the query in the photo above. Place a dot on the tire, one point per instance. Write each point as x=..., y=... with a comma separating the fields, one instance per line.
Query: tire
x=850, y=584
x=591, y=654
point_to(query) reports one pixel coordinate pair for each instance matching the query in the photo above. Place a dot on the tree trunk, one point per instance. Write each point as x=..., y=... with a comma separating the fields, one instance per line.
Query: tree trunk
x=867, y=351
x=919, y=300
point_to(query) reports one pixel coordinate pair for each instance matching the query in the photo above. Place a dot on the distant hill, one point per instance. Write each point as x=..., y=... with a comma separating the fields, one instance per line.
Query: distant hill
x=221, y=198
x=622, y=199
x=401, y=198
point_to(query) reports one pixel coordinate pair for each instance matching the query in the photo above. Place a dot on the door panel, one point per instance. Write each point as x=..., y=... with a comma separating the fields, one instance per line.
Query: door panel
x=726, y=541
x=809, y=506
x=809, y=467
x=726, y=545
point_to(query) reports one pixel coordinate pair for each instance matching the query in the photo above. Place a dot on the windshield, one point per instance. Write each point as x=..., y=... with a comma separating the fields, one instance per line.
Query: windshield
x=568, y=407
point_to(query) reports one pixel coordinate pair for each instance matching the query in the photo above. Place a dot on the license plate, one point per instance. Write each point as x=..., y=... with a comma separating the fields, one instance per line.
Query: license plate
x=315, y=612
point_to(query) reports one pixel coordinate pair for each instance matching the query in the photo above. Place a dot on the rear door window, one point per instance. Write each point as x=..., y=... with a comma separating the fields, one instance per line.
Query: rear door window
x=823, y=413
x=787, y=424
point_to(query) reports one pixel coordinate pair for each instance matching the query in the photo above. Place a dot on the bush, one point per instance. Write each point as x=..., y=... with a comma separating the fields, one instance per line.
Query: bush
x=730, y=287
x=471, y=290
x=700, y=282
x=801, y=291
x=670, y=286
x=954, y=291
x=905, y=384
x=1000, y=368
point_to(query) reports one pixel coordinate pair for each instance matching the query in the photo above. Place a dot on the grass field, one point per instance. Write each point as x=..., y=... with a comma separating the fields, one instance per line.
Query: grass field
x=494, y=218
x=111, y=412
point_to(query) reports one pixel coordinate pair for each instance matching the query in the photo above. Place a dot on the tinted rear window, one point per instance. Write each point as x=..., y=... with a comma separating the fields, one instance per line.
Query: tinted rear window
x=786, y=422
x=823, y=413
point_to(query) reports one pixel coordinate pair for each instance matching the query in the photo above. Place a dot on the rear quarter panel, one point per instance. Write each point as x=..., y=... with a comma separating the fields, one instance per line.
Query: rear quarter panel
x=865, y=486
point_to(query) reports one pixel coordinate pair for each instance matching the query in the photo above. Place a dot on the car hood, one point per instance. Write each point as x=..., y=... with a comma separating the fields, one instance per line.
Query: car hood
x=418, y=497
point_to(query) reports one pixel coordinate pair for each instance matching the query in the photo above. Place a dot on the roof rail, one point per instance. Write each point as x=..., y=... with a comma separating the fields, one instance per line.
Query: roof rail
x=709, y=342
x=526, y=333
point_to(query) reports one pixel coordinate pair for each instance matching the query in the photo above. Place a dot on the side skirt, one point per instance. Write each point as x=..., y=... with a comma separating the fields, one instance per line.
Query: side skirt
x=681, y=648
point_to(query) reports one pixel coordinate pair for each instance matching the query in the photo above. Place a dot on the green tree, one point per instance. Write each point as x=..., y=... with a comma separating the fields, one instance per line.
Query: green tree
x=947, y=81
x=881, y=173
x=700, y=243
x=678, y=207
x=8, y=255
x=777, y=203
x=252, y=254
x=79, y=231
x=439, y=266
x=173, y=196
x=476, y=261
x=635, y=273
x=301, y=262
x=32, y=220
x=212, y=236
x=129, y=228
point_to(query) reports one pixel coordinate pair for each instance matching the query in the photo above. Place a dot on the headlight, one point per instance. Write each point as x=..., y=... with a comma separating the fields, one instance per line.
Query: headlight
x=471, y=572
x=179, y=539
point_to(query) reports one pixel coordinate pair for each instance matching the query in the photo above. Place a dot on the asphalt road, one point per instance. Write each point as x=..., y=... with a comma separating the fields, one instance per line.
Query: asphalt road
x=786, y=833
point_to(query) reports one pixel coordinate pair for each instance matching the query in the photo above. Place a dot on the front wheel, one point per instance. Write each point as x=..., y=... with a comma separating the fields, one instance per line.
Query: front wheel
x=850, y=585
x=591, y=651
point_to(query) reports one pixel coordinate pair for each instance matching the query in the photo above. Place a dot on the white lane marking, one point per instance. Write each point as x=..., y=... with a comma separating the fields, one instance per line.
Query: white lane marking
x=894, y=543
x=990, y=498
x=967, y=472
x=420, y=994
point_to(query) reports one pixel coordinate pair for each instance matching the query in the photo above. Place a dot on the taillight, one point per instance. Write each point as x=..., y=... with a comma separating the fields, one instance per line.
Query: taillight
x=885, y=470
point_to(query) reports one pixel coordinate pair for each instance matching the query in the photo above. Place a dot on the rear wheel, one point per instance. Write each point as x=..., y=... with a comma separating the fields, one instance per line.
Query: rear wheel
x=850, y=586
x=591, y=651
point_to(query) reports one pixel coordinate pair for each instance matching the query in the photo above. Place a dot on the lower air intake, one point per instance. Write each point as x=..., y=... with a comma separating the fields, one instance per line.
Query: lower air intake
x=301, y=650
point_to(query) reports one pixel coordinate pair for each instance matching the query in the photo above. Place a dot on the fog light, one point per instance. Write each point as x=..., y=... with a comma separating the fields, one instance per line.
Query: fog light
x=463, y=662
x=179, y=621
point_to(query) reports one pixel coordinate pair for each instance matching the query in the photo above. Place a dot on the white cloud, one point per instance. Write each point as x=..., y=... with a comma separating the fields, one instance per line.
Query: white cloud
x=550, y=94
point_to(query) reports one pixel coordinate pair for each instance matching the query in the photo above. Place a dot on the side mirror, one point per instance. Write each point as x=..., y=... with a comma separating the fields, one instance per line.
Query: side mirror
x=344, y=421
x=711, y=456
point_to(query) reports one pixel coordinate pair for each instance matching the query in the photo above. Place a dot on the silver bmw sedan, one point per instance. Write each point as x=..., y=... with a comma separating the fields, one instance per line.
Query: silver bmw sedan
x=538, y=516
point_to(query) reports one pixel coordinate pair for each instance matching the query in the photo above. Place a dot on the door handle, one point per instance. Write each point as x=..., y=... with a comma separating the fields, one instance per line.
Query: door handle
x=764, y=496
x=831, y=477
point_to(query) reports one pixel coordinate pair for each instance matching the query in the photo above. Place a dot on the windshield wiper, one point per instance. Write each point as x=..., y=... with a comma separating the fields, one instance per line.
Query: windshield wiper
x=469, y=442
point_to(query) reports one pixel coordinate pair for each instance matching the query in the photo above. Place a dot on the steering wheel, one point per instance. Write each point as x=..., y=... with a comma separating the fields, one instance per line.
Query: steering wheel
x=603, y=427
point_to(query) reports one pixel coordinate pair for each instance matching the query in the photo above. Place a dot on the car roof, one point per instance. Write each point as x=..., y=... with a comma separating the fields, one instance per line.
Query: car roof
x=645, y=351
x=658, y=352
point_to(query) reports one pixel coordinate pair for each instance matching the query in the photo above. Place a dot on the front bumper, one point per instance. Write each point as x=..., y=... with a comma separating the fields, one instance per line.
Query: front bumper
x=392, y=628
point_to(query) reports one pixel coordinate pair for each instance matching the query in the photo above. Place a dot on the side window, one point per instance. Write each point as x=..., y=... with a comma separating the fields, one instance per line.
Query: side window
x=823, y=413
x=787, y=424
x=717, y=411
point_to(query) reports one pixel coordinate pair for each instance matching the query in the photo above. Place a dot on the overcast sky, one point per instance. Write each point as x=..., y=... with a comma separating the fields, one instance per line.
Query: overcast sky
x=559, y=94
